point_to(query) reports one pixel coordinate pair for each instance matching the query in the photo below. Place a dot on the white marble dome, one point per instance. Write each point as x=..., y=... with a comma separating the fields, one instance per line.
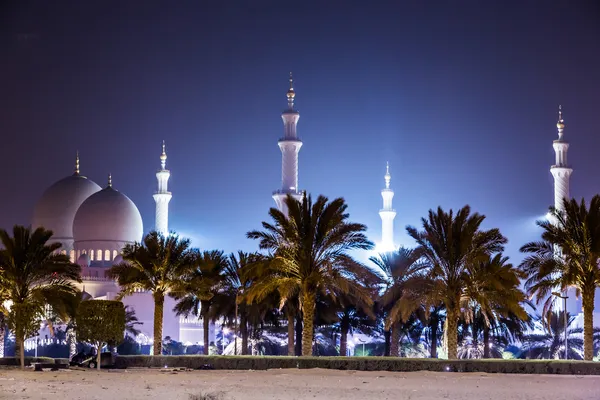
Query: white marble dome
x=107, y=216
x=58, y=205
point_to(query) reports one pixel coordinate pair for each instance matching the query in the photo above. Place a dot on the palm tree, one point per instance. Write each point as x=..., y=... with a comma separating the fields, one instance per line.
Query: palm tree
x=550, y=343
x=310, y=255
x=32, y=274
x=433, y=330
x=204, y=287
x=155, y=265
x=567, y=256
x=399, y=270
x=451, y=245
x=232, y=307
x=495, y=295
x=67, y=315
x=353, y=318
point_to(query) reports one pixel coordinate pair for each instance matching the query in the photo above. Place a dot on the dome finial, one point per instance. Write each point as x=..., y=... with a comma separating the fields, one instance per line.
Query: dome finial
x=561, y=123
x=109, y=180
x=77, y=163
x=163, y=156
x=291, y=94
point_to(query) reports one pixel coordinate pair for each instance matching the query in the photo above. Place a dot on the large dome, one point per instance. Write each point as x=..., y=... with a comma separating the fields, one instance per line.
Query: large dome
x=108, y=216
x=57, y=207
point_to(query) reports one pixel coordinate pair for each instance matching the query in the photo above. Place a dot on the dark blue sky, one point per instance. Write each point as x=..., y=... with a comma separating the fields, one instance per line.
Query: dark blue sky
x=460, y=96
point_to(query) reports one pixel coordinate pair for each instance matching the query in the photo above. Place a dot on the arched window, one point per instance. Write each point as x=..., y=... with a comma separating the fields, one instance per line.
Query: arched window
x=99, y=255
x=83, y=252
x=106, y=255
x=91, y=255
x=72, y=255
x=114, y=254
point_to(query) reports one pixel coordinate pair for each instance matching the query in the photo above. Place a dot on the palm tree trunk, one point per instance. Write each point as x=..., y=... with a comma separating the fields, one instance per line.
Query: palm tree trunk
x=433, y=325
x=159, y=304
x=99, y=356
x=387, y=337
x=244, y=330
x=21, y=350
x=205, y=325
x=588, y=324
x=298, y=341
x=308, y=308
x=345, y=327
x=394, y=352
x=486, y=341
x=72, y=341
x=2, y=334
x=290, y=327
x=451, y=333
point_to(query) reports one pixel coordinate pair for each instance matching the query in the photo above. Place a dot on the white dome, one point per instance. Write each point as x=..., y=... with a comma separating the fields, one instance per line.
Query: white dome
x=107, y=216
x=57, y=207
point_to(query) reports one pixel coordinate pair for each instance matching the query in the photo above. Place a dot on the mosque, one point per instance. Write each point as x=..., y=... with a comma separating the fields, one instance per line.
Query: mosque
x=93, y=224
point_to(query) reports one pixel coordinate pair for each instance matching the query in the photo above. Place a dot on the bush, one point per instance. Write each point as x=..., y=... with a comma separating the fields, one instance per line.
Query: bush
x=364, y=364
x=12, y=361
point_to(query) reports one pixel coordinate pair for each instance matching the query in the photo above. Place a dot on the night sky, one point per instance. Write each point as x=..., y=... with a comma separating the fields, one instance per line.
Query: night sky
x=460, y=97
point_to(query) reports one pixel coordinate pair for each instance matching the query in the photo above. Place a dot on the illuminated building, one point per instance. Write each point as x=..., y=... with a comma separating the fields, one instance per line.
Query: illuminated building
x=387, y=214
x=94, y=225
x=289, y=145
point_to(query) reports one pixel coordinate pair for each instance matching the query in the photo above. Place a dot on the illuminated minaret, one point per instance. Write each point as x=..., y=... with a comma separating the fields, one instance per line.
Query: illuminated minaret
x=162, y=196
x=289, y=145
x=560, y=170
x=387, y=214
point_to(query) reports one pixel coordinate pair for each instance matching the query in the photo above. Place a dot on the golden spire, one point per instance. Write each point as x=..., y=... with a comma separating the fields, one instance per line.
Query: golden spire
x=561, y=123
x=388, y=177
x=290, y=93
x=163, y=156
x=77, y=163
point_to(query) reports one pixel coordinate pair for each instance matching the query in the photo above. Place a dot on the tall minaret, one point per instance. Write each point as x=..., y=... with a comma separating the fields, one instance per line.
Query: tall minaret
x=387, y=214
x=290, y=146
x=560, y=170
x=162, y=196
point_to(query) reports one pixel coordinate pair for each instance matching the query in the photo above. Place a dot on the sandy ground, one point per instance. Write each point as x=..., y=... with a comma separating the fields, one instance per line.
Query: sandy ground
x=290, y=384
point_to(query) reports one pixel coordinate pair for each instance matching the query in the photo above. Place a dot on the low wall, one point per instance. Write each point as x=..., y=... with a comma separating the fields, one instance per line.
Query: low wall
x=363, y=364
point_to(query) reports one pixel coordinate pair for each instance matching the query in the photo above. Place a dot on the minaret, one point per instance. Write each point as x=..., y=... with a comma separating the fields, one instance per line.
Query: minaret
x=387, y=214
x=560, y=170
x=290, y=146
x=162, y=196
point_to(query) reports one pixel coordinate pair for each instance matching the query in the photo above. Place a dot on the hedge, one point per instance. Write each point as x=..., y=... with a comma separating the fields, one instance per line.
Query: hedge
x=363, y=364
x=14, y=361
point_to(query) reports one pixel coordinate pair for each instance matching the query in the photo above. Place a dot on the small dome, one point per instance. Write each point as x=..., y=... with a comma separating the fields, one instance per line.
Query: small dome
x=108, y=216
x=83, y=260
x=58, y=205
x=118, y=260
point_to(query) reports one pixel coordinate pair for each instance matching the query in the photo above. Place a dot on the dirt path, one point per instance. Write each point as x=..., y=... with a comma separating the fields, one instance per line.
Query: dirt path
x=290, y=384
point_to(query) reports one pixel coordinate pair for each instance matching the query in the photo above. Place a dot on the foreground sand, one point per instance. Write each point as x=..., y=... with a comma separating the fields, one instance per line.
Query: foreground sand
x=290, y=384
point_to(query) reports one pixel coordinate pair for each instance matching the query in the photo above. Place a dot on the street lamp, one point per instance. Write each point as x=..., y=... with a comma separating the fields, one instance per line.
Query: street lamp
x=557, y=294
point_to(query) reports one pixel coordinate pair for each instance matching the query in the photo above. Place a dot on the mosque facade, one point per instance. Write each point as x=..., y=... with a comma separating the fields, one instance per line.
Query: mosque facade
x=93, y=225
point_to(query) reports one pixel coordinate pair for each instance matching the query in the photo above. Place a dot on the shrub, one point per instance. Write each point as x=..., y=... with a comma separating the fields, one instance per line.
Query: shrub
x=364, y=364
x=13, y=362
